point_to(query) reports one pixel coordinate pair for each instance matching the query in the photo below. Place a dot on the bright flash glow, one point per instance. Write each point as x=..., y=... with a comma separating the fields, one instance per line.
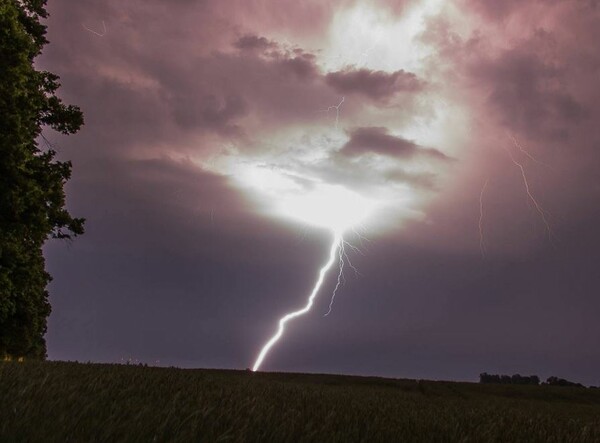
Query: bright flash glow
x=327, y=206
x=315, y=203
x=368, y=37
x=304, y=199
x=337, y=243
x=300, y=174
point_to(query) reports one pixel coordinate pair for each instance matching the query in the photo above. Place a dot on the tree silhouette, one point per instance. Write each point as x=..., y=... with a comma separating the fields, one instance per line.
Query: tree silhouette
x=555, y=381
x=32, y=197
x=515, y=379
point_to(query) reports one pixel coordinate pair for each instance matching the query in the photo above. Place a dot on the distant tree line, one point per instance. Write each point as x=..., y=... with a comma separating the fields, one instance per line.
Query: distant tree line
x=518, y=379
x=555, y=381
x=515, y=379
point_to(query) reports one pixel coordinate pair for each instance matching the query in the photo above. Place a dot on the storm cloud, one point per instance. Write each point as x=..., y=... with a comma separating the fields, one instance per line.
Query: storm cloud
x=378, y=140
x=376, y=85
x=191, y=107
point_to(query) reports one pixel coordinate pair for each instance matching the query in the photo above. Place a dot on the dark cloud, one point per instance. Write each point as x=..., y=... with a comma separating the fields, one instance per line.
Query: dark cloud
x=212, y=92
x=368, y=177
x=210, y=112
x=288, y=17
x=499, y=10
x=377, y=85
x=529, y=93
x=302, y=66
x=494, y=9
x=164, y=94
x=377, y=140
x=254, y=42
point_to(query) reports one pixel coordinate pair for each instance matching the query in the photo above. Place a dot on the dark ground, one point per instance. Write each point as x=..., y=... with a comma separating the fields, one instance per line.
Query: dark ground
x=56, y=401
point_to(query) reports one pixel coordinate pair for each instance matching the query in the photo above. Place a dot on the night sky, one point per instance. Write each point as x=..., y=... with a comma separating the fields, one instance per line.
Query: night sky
x=205, y=119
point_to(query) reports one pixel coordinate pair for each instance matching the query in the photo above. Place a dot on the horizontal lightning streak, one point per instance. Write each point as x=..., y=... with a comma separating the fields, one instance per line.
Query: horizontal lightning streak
x=337, y=242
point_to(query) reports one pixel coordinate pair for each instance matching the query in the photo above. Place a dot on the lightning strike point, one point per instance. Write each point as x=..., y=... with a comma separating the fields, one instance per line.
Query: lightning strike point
x=336, y=246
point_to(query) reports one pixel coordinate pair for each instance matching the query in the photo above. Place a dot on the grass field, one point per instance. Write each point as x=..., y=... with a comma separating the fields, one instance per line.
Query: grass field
x=57, y=401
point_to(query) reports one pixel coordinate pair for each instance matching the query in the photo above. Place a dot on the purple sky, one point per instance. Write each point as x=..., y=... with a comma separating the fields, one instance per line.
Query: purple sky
x=202, y=117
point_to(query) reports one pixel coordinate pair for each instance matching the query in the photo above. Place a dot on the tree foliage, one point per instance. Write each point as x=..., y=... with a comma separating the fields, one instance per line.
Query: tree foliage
x=32, y=197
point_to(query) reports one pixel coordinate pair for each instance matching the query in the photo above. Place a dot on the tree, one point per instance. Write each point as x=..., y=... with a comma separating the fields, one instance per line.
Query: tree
x=555, y=381
x=515, y=379
x=32, y=197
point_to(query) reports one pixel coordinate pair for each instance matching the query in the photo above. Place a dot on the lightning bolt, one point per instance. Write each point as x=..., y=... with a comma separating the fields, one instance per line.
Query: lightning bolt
x=102, y=34
x=343, y=260
x=540, y=210
x=340, y=278
x=337, y=245
x=481, y=237
x=525, y=152
x=337, y=111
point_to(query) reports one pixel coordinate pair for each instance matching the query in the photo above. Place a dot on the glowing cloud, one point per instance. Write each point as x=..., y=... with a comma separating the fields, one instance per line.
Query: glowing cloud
x=316, y=174
x=328, y=206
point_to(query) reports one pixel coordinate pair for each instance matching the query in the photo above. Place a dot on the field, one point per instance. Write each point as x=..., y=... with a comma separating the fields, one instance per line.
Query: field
x=57, y=401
